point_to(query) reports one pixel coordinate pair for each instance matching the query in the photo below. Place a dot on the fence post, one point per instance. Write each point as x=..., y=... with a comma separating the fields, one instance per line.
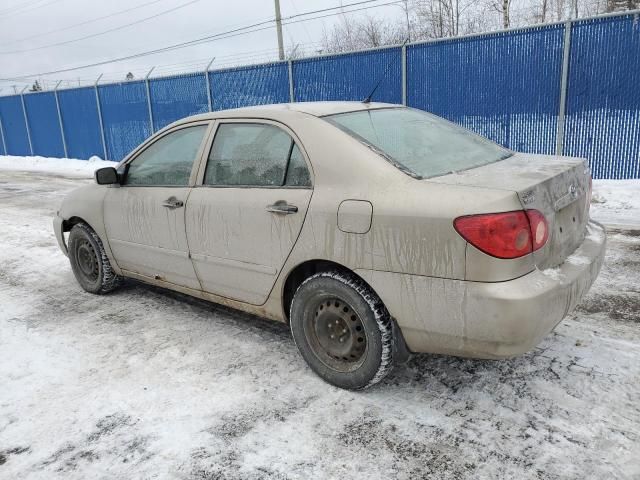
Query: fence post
x=64, y=141
x=206, y=77
x=104, y=142
x=4, y=144
x=563, y=88
x=146, y=83
x=291, y=93
x=404, y=74
x=26, y=120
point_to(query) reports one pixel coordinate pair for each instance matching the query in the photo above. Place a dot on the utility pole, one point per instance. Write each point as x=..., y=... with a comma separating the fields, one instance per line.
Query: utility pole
x=279, y=29
x=406, y=13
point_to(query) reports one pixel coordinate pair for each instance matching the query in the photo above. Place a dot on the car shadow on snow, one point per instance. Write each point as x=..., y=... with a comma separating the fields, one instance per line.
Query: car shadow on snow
x=551, y=362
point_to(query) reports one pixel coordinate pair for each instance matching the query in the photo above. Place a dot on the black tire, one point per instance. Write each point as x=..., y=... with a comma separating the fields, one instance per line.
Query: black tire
x=89, y=261
x=343, y=330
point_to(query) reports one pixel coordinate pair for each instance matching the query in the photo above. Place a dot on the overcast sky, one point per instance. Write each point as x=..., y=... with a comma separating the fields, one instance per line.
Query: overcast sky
x=25, y=26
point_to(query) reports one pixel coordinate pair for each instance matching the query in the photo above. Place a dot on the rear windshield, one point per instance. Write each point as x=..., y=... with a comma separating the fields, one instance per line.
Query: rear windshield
x=417, y=142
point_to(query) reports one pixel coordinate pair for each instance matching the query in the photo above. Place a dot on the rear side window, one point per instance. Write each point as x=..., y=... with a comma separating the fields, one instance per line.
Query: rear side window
x=253, y=154
x=297, y=173
x=168, y=161
x=419, y=143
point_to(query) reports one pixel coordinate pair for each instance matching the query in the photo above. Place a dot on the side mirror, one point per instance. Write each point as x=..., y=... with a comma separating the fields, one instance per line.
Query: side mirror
x=106, y=176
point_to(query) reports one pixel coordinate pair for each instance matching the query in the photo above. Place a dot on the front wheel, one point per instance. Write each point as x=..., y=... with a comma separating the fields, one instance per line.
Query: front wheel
x=343, y=330
x=89, y=261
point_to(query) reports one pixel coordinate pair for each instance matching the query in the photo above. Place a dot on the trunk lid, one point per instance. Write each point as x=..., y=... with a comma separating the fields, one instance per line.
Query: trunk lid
x=556, y=186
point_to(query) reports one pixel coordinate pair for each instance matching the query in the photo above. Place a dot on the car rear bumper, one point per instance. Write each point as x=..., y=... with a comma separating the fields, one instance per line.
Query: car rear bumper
x=489, y=320
x=58, y=229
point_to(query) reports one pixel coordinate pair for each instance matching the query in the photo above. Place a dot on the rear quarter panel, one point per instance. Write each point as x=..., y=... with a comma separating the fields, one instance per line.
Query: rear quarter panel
x=412, y=221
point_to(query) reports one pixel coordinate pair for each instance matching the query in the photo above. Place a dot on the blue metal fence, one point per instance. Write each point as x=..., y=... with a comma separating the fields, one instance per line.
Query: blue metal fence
x=508, y=86
x=173, y=98
x=125, y=116
x=350, y=77
x=244, y=86
x=603, y=101
x=81, y=126
x=504, y=86
x=13, y=125
x=42, y=113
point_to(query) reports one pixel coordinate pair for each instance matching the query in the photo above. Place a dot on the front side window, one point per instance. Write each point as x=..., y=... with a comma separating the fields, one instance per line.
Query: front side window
x=253, y=154
x=415, y=141
x=168, y=161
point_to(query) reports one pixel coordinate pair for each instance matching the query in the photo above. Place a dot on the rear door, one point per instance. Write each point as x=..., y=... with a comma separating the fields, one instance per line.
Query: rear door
x=248, y=207
x=144, y=216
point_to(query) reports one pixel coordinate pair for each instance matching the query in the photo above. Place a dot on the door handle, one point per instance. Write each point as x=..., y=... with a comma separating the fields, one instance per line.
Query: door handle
x=282, y=208
x=173, y=202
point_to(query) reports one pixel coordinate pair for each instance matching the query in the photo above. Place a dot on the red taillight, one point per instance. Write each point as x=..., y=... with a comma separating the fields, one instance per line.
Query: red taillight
x=504, y=235
x=539, y=229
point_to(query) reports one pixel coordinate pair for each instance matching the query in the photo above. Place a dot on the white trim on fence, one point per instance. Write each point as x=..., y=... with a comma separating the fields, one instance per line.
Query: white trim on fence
x=148, y=89
x=4, y=143
x=26, y=120
x=292, y=95
x=404, y=74
x=564, y=83
x=208, y=82
x=104, y=141
x=64, y=141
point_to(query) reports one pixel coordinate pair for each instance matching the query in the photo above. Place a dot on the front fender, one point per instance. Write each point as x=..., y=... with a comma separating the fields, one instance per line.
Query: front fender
x=85, y=204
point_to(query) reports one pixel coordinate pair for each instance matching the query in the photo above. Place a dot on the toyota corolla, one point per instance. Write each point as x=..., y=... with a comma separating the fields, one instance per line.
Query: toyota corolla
x=374, y=230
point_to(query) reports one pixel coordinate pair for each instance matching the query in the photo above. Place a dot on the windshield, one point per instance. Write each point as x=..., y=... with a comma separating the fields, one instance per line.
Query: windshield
x=417, y=142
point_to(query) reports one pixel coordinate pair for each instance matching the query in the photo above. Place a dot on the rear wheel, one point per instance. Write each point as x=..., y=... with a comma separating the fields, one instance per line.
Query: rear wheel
x=342, y=330
x=89, y=261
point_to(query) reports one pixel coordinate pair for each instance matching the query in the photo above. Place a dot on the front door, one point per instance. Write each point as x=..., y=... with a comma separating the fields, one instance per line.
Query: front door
x=145, y=216
x=244, y=219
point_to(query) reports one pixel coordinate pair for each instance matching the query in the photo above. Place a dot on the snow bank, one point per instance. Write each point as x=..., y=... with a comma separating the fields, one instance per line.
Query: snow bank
x=62, y=166
x=616, y=202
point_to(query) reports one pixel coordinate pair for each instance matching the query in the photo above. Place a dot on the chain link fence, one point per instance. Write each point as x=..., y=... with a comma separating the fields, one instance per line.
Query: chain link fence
x=567, y=88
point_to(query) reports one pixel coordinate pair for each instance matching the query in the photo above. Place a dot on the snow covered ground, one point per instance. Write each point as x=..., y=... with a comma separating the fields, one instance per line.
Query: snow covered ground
x=616, y=202
x=69, y=167
x=145, y=383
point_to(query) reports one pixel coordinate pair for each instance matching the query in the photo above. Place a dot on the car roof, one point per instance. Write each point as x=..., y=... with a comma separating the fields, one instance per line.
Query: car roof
x=317, y=109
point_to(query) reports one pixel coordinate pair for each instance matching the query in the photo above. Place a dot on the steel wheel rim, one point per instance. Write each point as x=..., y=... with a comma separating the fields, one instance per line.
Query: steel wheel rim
x=87, y=260
x=336, y=334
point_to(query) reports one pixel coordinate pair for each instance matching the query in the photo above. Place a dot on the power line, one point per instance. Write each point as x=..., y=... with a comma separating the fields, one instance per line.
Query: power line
x=211, y=38
x=97, y=34
x=26, y=8
x=17, y=8
x=86, y=22
x=14, y=7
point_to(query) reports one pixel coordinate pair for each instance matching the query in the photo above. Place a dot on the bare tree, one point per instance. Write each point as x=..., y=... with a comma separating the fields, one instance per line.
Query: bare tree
x=370, y=32
x=446, y=18
x=543, y=13
x=428, y=19
x=622, y=5
x=503, y=7
x=294, y=52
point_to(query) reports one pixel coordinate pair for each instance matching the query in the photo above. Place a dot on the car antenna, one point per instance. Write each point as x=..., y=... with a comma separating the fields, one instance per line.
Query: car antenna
x=384, y=74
